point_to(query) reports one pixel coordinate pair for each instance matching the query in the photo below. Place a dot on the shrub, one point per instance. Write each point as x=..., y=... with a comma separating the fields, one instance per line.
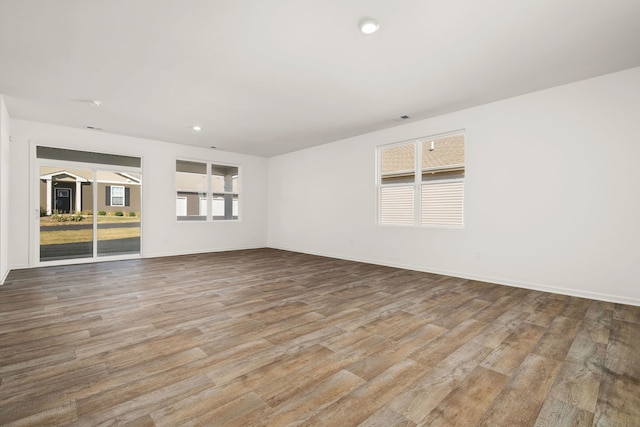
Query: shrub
x=43, y=211
x=102, y=213
x=58, y=217
x=118, y=213
x=132, y=214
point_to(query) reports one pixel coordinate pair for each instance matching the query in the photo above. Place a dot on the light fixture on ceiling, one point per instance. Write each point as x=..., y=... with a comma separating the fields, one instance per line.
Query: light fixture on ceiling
x=88, y=101
x=401, y=118
x=197, y=128
x=369, y=26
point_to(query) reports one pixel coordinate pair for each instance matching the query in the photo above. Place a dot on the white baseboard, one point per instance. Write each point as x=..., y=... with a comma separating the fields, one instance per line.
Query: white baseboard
x=497, y=280
x=20, y=267
x=4, y=276
x=179, y=253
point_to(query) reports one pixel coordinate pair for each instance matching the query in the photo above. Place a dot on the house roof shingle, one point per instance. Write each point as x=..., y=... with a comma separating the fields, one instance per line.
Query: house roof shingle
x=447, y=151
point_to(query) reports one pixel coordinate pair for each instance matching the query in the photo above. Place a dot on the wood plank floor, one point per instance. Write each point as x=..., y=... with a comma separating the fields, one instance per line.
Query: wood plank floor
x=268, y=337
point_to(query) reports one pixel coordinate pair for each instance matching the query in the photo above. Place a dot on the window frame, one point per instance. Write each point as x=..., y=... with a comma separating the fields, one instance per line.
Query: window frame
x=123, y=195
x=210, y=194
x=418, y=182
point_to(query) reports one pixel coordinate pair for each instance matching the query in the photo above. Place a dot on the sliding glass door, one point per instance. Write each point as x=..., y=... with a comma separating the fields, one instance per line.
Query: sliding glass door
x=87, y=211
x=66, y=225
x=118, y=213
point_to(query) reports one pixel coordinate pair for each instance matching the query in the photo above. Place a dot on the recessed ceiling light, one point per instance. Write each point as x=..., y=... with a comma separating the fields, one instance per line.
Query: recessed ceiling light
x=92, y=102
x=197, y=128
x=369, y=26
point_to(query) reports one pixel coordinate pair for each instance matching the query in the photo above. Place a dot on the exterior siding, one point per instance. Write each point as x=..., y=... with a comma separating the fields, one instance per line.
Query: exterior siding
x=193, y=202
x=134, y=199
x=87, y=197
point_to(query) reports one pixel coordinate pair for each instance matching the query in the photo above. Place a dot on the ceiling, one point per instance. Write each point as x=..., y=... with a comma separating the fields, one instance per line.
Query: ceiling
x=269, y=77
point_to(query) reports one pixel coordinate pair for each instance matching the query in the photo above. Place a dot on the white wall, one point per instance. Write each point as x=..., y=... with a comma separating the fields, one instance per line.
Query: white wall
x=4, y=190
x=552, y=194
x=161, y=233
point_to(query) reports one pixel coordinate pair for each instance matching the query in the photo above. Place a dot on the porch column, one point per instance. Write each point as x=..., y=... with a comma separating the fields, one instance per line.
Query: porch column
x=78, y=206
x=49, y=197
x=228, y=198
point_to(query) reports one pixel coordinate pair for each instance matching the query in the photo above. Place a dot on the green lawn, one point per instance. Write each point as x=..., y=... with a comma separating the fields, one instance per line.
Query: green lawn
x=86, y=235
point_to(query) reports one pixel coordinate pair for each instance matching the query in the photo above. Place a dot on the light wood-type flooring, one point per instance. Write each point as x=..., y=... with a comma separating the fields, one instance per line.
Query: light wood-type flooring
x=269, y=337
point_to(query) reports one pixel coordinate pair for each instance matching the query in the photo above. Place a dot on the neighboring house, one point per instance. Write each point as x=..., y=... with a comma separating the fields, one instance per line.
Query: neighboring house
x=440, y=157
x=191, y=191
x=191, y=195
x=71, y=190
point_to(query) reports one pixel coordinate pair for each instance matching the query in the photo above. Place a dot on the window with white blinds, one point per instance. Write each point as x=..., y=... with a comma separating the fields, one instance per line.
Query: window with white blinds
x=422, y=182
x=442, y=203
x=396, y=205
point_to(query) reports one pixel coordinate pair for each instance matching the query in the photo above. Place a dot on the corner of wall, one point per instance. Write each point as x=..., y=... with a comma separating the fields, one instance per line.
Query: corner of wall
x=4, y=190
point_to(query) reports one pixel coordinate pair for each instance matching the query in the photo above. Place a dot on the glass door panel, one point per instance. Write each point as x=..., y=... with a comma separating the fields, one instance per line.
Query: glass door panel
x=66, y=220
x=118, y=212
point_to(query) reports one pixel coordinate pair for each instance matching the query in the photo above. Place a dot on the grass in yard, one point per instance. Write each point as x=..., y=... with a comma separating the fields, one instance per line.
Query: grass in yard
x=77, y=236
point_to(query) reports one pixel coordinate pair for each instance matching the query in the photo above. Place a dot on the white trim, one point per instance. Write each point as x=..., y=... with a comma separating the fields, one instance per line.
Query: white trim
x=208, y=251
x=134, y=180
x=34, y=205
x=77, y=178
x=4, y=276
x=78, y=200
x=126, y=184
x=94, y=194
x=88, y=260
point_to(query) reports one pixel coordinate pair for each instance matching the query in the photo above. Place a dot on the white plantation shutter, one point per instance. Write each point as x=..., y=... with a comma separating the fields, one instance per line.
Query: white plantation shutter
x=396, y=205
x=442, y=203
